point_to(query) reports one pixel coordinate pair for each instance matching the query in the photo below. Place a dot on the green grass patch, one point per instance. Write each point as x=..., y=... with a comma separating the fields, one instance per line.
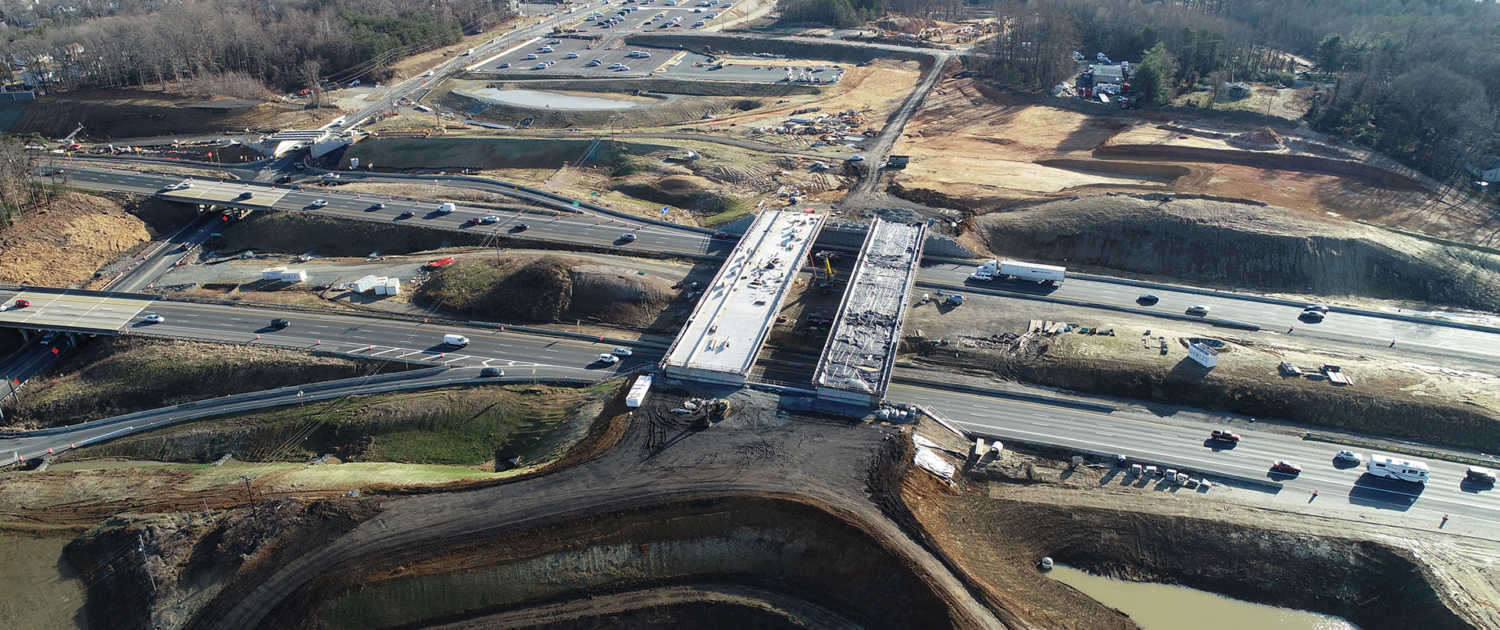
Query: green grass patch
x=465, y=426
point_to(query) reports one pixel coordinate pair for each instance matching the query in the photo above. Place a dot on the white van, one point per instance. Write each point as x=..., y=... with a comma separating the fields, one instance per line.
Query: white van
x=456, y=340
x=446, y=208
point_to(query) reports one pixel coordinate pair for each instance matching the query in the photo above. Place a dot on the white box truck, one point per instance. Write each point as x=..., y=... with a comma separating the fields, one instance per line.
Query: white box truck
x=1392, y=468
x=1010, y=269
x=456, y=340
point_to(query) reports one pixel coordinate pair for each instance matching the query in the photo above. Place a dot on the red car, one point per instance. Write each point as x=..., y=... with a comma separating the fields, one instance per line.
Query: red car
x=721, y=235
x=23, y=303
x=1225, y=436
x=1285, y=468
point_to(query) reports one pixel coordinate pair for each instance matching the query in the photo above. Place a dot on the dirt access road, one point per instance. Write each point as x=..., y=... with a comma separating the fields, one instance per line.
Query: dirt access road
x=660, y=458
x=892, y=131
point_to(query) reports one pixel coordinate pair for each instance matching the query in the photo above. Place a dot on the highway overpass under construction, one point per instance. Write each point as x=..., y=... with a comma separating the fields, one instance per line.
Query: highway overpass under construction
x=856, y=363
x=732, y=318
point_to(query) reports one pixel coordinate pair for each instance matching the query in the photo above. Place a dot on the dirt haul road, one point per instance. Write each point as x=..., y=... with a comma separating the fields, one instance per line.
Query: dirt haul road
x=661, y=458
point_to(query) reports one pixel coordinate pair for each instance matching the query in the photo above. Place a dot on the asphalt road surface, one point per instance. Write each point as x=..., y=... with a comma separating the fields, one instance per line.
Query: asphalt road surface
x=1277, y=318
x=1186, y=446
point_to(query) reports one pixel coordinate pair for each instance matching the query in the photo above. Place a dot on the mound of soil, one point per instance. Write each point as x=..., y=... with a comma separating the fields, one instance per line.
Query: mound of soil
x=547, y=289
x=1238, y=245
x=904, y=24
x=1263, y=139
x=65, y=242
x=694, y=194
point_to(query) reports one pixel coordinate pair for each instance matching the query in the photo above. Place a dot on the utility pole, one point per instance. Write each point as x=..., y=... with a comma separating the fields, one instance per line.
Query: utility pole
x=250, y=496
x=141, y=547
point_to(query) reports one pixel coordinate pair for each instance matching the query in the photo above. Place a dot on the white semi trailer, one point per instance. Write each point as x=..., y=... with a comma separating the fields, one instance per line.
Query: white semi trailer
x=1010, y=269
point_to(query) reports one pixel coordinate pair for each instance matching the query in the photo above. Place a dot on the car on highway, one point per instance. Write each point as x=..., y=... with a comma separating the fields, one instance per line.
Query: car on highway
x=1482, y=476
x=1348, y=456
x=183, y=186
x=472, y=221
x=622, y=68
x=1197, y=309
x=545, y=49
x=592, y=63
x=1311, y=317
x=155, y=319
x=491, y=372
x=621, y=352
x=319, y=203
x=1285, y=468
x=406, y=215
x=856, y=158
x=540, y=66
x=722, y=235
x=280, y=323
x=1224, y=435
x=23, y=303
x=699, y=24
x=1147, y=299
x=529, y=58
x=1315, y=307
x=608, y=358
x=378, y=206
x=554, y=42
x=466, y=53
x=427, y=73
x=638, y=54
x=490, y=219
x=571, y=55
x=247, y=195
x=519, y=227
x=446, y=208
x=505, y=65
x=627, y=237
x=48, y=338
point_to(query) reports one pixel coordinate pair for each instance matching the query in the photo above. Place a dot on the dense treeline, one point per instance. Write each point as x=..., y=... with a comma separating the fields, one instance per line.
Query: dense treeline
x=1419, y=81
x=280, y=45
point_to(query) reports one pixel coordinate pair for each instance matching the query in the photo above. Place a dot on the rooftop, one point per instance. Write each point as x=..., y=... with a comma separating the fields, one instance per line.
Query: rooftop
x=861, y=347
x=730, y=322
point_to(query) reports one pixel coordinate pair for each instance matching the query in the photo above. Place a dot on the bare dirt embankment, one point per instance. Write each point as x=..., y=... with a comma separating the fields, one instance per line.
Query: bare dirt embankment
x=1243, y=245
x=293, y=233
x=107, y=115
x=65, y=242
x=120, y=375
x=1013, y=513
x=549, y=289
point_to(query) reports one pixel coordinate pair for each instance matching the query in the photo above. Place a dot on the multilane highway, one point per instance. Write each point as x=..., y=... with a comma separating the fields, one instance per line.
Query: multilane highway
x=1185, y=445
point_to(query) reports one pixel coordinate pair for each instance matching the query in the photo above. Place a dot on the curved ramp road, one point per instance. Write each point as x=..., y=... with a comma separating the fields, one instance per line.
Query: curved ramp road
x=582, y=229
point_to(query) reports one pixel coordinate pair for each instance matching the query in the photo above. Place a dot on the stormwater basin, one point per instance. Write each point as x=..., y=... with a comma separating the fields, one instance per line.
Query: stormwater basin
x=543, y=100
x=1170, y=607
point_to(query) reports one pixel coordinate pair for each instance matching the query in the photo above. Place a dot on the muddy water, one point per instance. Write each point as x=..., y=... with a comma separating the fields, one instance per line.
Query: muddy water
x=1169, y=607
x=36, y=589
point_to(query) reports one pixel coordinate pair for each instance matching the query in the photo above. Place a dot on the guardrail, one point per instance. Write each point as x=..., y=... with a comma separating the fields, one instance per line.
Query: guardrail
x=1045, y=448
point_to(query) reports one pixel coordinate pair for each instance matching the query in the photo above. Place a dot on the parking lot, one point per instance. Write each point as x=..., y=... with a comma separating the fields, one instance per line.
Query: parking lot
x=652, y=16
x=578, y=64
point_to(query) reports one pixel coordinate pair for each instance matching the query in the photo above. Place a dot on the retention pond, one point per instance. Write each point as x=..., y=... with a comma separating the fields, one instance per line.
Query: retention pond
x=553, y=100
x=1171, y=607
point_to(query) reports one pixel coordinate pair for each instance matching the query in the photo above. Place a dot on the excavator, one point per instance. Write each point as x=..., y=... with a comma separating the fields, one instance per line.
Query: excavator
x=718, y=410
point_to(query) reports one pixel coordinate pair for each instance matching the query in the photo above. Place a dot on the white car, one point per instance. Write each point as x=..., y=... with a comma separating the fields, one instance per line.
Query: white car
x=608, y=358
x=319, y=203
x=184, y=185
x=856, y=158
x=621, y=352
x=467, y=52
x=155, y=319
x=571, y=55
x=546, y=49
x=427, y=73
x=528, y=58
x=1348, y=456
x=540, y=66
x=490, y=220
x=622, y=68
